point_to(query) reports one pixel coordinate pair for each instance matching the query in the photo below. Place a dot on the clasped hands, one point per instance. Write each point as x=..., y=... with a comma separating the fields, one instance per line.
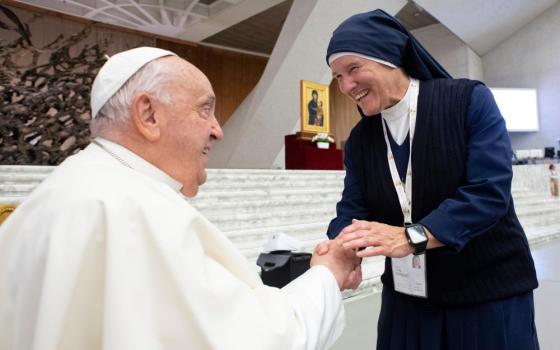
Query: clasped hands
x=360, y=239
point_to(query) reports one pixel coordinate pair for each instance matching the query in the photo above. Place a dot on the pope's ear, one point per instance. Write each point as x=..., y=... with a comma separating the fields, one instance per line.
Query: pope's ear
x=144, y=117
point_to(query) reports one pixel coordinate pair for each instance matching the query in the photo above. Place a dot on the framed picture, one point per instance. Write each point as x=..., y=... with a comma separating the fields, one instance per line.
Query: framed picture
x=315, y=114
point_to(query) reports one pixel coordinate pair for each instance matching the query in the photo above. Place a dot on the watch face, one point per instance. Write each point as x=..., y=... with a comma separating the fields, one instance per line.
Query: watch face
x=416, y=234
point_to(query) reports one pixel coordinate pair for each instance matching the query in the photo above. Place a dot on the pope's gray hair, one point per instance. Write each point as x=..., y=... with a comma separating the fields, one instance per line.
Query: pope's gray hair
x=151, y=78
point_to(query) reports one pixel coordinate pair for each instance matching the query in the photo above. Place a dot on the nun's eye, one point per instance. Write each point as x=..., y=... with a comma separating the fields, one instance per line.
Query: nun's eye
x=353, y=69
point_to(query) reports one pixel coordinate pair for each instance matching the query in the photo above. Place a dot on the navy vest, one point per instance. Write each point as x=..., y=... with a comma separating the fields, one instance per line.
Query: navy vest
x=494, y=265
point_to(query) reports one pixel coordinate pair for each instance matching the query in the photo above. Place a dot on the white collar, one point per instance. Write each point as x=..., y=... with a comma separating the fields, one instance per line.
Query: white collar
x=134, y=161
x=397, y=117
x=400, y=109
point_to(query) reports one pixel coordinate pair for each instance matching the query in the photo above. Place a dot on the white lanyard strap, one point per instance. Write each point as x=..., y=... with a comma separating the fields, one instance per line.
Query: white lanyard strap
x=404, y=192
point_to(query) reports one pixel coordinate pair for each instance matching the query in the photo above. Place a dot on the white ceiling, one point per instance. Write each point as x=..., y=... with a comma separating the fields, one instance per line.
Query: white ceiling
x=481, y=24
x=191, y=20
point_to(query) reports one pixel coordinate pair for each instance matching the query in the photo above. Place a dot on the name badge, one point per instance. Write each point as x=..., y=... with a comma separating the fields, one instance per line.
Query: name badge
x=409, y=275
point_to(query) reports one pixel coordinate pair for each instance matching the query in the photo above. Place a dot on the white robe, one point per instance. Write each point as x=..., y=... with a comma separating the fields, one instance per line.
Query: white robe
x=102, y=256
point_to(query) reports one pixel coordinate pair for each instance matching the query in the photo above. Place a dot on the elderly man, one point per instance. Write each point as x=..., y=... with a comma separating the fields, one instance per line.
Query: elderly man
x=428, y=175
x=107, y=254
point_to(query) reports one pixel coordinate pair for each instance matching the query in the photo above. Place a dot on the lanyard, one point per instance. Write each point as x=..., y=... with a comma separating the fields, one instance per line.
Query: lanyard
x=404, y=192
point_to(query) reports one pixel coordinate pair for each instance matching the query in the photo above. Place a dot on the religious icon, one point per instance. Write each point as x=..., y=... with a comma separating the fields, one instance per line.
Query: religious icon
x=314, y=107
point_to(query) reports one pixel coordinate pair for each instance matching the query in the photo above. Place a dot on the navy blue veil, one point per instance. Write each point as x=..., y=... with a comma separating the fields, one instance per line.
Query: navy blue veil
x=378, y=34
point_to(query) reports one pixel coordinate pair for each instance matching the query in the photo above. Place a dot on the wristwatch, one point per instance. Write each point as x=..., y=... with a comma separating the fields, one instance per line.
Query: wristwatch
x=417, y=238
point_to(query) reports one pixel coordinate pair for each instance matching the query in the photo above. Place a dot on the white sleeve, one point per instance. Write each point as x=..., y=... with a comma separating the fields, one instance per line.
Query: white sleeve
x=148, y=276
x=318, y=304
x=179, y=278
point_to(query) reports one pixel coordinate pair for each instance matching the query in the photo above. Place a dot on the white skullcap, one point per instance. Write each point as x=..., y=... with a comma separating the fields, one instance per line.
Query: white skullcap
x=117, y=70
x=334, y=56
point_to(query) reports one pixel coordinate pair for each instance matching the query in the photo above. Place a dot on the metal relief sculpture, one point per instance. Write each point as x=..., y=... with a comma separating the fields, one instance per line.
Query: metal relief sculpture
x=44, y=103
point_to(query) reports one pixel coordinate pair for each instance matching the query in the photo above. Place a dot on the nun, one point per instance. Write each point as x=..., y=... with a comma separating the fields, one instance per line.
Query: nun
x=428, y=175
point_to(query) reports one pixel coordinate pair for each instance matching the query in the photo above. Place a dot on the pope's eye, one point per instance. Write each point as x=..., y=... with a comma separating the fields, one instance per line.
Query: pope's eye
x=206, y=110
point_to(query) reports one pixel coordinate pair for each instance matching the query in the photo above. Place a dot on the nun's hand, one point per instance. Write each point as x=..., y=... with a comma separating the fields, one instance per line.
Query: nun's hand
x=376, y=238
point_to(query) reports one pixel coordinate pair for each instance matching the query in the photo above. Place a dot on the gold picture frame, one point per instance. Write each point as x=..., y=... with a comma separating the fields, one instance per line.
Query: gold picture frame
x=315, y=111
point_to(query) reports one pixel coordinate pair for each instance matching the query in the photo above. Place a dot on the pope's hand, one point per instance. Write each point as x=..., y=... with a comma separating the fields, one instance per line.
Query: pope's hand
x=342, y=262
x=377, y=238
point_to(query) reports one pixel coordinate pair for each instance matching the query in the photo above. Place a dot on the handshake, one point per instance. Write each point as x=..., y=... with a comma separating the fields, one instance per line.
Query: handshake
x=344, y=264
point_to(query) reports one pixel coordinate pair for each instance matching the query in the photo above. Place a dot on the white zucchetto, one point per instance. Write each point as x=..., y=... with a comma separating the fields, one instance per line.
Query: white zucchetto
x=116, y=72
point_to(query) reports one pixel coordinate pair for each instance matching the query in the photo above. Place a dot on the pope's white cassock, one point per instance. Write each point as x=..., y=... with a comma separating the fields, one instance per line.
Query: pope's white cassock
x=107, y=254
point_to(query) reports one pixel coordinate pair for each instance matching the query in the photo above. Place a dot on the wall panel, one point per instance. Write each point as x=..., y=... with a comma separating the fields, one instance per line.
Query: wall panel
x=233, y=75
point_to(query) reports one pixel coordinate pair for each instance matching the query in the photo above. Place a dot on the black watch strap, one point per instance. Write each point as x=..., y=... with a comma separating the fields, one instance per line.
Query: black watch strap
x=417, y=237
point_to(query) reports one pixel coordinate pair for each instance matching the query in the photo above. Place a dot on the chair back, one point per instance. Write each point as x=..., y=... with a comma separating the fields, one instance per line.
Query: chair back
x=5, y=211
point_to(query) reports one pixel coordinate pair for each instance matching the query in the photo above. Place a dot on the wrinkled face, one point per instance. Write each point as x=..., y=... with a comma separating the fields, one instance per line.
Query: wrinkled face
x=364, y=81
x=190, y=127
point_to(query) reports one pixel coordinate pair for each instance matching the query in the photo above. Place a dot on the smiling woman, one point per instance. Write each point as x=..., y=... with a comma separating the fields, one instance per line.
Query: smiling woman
x=374, y=86
x=449, y=234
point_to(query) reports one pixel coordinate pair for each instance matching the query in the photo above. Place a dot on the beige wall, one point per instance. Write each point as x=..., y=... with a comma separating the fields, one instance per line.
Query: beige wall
x=233, y=75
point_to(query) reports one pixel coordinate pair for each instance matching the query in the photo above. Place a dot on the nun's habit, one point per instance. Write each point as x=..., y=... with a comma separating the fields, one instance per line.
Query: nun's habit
x=407, y=322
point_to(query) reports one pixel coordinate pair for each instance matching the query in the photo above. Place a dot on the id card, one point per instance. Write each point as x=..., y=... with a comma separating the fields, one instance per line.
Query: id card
x=409, y=275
